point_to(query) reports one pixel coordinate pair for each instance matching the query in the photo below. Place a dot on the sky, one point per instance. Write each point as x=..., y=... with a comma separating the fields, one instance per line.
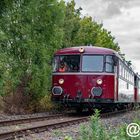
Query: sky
x=122, y=18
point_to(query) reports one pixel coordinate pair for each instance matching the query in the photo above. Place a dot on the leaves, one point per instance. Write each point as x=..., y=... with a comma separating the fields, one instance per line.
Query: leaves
x=31, y=31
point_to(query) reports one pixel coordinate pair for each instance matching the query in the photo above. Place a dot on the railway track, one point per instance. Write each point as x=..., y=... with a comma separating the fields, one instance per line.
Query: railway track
x=57, y=122
x=8, y=122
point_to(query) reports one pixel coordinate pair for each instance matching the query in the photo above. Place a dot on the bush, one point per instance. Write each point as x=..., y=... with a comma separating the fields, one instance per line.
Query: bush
x=96, y=131
x=16, y=103
x=46, y=104
x=1, y=104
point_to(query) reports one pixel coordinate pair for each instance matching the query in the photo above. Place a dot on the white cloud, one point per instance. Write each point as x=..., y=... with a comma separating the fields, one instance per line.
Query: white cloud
x=126, y=29
x=121, y=17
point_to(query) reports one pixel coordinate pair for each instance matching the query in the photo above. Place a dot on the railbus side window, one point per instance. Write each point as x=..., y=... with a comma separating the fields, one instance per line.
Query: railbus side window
x=131, y=77
x=109, y=64
x=55, y=63
x=138, y=83
x=120, y=68
x=135, y=80
x=124, y=72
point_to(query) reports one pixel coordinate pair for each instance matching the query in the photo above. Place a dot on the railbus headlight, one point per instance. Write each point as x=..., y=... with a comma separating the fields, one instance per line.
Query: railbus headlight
x=99, y=81
x=96, y=91
x=81, y=50
x=57, y=90
x=61, y=81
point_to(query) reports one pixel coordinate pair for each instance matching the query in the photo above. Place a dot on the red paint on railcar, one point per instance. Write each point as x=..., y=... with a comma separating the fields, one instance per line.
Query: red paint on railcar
x=84, y=83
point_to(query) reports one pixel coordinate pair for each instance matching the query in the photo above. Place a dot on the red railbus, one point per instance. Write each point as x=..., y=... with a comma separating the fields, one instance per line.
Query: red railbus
x=89, y=77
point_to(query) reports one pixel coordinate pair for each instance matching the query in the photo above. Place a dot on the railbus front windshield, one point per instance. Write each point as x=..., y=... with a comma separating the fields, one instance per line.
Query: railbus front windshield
x=66, y=63
x=90, y=63
x=93, y=63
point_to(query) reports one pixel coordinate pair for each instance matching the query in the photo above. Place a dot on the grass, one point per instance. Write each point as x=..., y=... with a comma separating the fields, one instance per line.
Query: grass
x=96, y=131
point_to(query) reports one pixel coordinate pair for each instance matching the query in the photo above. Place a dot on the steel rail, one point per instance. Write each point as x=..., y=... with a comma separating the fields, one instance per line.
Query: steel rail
x=46, y=127
x=28, y=120
x=40, y=128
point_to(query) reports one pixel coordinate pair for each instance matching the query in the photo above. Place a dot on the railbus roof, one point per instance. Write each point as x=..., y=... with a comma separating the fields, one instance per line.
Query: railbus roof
x=87, y=50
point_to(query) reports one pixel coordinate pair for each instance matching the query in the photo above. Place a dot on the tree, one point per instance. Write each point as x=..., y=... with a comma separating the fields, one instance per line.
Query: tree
x=4, y=4
x=30, y=32
x=92, y=33
x=87, y=32
x=106, y=40
x=71, y=24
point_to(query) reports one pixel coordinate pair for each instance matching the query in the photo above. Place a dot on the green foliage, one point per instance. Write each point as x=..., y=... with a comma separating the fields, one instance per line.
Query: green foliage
x=105, y=39
x=57, y=133
x=71, y=24
x=92, y=33
x=46, y=104
x=67, y=138
x=30, y=32
x=87, y=32
x=95, y=131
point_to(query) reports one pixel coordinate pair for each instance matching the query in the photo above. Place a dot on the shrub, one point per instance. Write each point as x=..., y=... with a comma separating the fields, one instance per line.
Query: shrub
x=46, y=103
x=96, y=131
x=1, y=104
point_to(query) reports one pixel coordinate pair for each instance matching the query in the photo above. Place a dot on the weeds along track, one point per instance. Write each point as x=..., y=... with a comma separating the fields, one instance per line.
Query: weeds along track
x=52, y=122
